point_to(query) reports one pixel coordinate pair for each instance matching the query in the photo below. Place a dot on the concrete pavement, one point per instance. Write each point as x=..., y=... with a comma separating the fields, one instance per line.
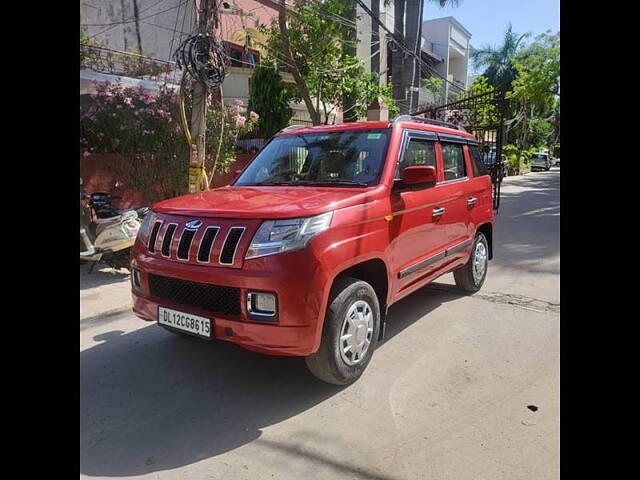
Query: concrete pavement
x=446, y=396
x=104, y=291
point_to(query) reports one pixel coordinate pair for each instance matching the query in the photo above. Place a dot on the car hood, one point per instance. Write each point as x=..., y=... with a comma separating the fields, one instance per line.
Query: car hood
x=264, y=202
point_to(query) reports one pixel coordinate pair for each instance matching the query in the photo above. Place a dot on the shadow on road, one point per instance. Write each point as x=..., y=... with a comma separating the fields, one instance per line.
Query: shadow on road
x=100, y=276
x=527, y=225
x=153, y=401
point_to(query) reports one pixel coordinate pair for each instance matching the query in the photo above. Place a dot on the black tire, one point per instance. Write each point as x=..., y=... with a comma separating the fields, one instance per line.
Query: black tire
x=464, y=275
x=327, y=363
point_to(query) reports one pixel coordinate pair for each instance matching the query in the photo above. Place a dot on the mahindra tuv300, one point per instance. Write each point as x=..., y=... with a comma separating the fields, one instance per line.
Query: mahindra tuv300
x=325, y=229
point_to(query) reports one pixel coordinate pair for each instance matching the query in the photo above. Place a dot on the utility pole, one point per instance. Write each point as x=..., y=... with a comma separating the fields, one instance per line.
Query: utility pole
x=349, y=48
x=398, y=58
x=411, y=67
x=197, y=175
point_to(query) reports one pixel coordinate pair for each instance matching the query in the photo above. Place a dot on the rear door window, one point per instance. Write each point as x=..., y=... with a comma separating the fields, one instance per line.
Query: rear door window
x=477, y=164
x=453, y=161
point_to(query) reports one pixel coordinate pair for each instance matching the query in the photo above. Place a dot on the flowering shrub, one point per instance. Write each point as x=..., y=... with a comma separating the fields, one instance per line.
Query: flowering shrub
x=144, y=128
x=236, y=124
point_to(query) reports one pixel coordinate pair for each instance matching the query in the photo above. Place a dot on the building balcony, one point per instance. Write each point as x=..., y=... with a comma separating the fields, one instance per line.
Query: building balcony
x=456, y=49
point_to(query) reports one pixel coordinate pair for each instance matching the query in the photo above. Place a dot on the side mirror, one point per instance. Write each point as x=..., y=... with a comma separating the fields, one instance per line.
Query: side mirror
x=417, y=176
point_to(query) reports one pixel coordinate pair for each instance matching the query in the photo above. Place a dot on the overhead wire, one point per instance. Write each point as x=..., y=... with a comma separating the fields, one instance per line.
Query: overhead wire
x=112, y=25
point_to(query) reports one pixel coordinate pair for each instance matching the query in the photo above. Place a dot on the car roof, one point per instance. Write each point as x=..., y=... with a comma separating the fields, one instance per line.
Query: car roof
x=414, y=125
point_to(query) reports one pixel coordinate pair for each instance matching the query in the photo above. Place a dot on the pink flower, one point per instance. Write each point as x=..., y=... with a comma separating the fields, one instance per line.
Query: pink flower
x=240, y=121
x=254, y=115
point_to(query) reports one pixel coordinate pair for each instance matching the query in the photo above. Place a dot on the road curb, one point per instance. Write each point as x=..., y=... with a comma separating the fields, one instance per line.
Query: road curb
x=107, y=313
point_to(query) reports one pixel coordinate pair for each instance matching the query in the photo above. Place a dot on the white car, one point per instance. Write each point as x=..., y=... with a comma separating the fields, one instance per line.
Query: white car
x=540, y=161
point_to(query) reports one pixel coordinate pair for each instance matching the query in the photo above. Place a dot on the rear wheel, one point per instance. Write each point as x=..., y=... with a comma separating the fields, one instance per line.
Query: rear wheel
x=350, y=333
x=471, y=276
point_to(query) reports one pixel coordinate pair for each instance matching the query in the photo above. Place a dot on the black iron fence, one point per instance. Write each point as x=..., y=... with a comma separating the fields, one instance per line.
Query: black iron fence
x=484, y=116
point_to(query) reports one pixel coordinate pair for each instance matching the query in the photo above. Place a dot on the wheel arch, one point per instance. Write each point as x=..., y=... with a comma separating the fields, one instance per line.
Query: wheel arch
x=487, y=230
x=374, y=271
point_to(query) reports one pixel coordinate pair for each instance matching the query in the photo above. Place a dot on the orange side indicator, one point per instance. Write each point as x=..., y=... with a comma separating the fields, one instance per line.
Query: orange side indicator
x=388, y=218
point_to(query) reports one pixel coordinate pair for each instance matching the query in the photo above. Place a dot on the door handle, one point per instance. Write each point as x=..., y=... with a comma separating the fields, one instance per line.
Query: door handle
x=436, y=212
x=471, y=201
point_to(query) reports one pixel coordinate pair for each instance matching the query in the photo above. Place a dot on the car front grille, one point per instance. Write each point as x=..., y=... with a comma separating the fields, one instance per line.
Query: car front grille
x=174, y=240
x=212, y=298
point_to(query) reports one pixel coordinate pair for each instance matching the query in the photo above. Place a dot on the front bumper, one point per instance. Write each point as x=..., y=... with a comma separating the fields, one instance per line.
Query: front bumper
x=294, y=277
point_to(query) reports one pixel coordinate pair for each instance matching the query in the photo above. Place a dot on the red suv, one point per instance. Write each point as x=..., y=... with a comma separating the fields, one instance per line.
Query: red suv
x=326, y=228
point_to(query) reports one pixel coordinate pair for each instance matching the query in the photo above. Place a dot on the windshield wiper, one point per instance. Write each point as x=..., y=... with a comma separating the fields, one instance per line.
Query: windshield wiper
x=337, y=181
x=261, y=184
x=319, y=183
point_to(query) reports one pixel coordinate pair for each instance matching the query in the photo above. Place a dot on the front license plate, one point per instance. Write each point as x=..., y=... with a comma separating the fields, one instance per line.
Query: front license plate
x=186, y=322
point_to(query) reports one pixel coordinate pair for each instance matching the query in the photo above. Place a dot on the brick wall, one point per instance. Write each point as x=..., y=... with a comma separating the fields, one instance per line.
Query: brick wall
x=98, y=172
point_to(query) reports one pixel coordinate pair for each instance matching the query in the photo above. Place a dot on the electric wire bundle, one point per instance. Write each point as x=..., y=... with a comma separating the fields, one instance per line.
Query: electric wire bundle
x=202, y=55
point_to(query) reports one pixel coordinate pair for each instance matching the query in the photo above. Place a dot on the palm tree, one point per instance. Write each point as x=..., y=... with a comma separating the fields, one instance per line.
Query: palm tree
x=498, y=60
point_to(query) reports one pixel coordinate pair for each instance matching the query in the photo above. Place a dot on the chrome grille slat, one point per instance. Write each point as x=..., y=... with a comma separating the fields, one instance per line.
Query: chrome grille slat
x=154, y=236
x=209, y=237
x=184, y=245
x=168, y=237
x=230, y=245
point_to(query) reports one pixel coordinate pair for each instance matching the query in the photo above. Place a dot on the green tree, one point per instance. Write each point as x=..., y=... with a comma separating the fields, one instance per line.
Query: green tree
x=498, y=60
x=484, y=113
x=269, y=99
x=433, y=85
x=536, y=90
x=308, y=41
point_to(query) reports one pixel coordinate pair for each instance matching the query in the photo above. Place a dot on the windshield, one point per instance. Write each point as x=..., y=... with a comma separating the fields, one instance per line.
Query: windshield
x=539, y=156
x=352, y=158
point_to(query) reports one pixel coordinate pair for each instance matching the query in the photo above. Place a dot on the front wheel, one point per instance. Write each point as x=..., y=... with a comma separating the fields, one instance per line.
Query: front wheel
x=350, y=333
x=471, y=276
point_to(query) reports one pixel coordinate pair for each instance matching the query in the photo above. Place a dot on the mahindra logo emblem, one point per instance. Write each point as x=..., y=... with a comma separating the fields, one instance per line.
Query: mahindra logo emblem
x=194, y=224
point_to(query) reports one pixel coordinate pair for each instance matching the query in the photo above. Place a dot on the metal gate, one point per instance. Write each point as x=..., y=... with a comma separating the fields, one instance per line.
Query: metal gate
x=484, y=116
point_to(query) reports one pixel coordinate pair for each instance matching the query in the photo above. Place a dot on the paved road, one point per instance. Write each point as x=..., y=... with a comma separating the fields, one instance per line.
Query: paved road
x=445, y=396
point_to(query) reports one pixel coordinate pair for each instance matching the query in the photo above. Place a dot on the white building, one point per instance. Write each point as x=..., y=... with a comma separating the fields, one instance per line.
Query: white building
x=446, y=38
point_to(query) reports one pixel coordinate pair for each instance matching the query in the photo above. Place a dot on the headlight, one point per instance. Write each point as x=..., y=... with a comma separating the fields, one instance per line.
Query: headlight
x=147, y=221
x=277, y=236
x=131, y=228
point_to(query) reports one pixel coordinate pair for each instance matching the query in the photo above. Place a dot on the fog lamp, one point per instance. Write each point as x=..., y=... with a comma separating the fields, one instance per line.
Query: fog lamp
x=262, y=305
x=135, y=279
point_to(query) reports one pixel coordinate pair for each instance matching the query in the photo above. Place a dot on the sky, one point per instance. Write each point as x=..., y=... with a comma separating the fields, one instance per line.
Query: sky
x=488, y=19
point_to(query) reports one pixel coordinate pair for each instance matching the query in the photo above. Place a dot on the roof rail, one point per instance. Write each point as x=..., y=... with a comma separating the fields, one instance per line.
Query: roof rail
x=292, y=127
x=431, y=121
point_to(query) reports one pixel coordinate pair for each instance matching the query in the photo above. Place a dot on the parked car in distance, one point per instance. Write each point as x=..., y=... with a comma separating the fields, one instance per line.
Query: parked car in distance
x=540, y=161
x=325, y=229
x=556, y=162
x=489, y=159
